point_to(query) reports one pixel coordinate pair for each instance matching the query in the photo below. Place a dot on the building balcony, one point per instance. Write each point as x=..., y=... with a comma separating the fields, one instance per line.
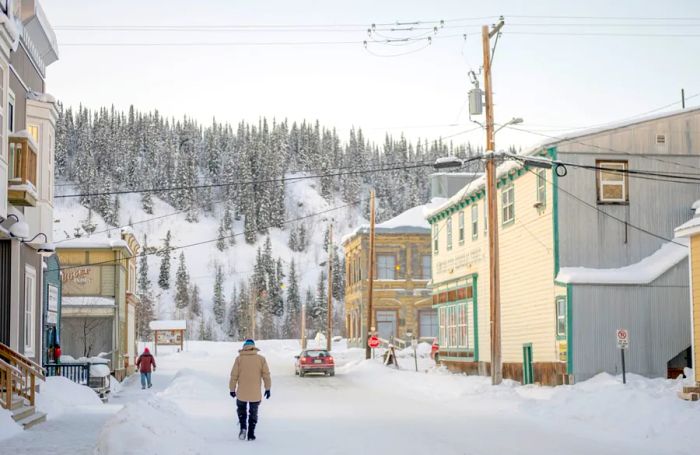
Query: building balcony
x=21, y=184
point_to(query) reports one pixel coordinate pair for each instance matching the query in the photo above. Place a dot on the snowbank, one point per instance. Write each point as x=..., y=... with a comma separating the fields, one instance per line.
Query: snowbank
x=59, y=395
x=8, y=427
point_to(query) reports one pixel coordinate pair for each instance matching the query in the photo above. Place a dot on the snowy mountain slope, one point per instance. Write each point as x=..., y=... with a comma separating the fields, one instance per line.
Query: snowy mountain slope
x=302, y=199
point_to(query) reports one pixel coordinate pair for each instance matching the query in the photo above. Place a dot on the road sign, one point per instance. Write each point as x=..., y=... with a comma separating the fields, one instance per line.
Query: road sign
x=373, y=342
x=623, y=338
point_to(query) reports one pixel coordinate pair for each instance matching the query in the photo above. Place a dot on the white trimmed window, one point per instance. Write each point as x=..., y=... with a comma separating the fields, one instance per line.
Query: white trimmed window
x=436, y=233
x=508, y=204
x=29, y=310
x=386, y=267
x=612, y=182
x=461, y=227
x=561, y=317
x=427, y=267
x=448, y=227
x=541, y=187
x=475, y=221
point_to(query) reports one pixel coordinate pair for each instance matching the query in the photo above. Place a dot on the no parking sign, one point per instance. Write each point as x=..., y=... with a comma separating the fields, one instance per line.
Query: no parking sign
x=623, y=338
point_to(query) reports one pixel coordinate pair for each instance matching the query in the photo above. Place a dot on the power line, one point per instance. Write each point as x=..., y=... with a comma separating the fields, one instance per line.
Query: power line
x=204, y=242
x=606, y=149
x=249, y=182
x=619, y=220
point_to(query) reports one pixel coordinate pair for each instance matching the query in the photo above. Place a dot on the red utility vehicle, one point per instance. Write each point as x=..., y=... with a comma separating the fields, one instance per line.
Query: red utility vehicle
x=314, y=361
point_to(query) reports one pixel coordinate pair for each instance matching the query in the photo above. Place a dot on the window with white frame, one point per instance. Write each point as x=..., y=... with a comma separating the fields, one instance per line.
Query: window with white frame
x=386, y=267
x=508, y=204
x=461, y=227
x=427, y=267
x=436, y=232
x=612, y=182
x=453, y=329
x=34, y=132
x=541, y=187
x=11, y=112
x=475, y=221
x=29, y=310
x=561, y=316
x=448, y=227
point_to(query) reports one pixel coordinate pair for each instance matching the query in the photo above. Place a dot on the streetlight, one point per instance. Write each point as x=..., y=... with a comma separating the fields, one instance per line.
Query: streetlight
x=45, y=249
x=513, y=121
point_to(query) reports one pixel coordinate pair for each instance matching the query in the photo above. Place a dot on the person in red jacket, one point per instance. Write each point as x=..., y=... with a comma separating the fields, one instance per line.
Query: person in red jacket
x=146, y=362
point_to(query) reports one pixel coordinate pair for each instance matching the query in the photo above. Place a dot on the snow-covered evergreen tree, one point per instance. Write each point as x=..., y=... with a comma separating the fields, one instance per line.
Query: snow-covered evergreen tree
x=182, y=286
x=164, y=276
x=293, y=305
x=219, y=299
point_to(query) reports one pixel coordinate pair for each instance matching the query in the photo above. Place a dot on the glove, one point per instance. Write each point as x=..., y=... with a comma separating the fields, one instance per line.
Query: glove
x=233, y=394
x=267, y=394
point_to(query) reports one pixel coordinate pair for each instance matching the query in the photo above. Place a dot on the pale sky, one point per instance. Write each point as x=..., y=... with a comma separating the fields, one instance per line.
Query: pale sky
x=552, y=80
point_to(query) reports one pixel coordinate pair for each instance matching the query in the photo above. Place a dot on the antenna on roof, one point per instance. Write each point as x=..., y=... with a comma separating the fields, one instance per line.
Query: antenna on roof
x=683, y=98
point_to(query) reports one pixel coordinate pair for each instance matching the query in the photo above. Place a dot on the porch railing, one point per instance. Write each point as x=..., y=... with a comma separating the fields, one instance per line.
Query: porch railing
x=21, y=378
x=76, y=372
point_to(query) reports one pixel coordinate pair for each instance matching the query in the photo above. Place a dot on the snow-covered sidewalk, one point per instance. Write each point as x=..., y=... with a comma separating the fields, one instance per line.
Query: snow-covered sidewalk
x=369, y=408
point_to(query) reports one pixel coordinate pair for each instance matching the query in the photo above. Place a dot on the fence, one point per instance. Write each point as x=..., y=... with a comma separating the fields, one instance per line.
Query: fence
x=76, y=372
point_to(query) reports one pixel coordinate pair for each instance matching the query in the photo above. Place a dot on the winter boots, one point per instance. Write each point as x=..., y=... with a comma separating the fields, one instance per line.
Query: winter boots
x=242, y=434
x=247, y=419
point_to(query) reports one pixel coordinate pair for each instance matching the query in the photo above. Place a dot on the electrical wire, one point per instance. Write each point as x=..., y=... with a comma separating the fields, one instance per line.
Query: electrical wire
x=249, y=182
x=606, y=149
x=204, y=242
x=638, y=228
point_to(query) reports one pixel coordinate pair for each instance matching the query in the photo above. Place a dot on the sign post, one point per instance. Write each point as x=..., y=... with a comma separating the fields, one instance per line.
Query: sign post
x=414, y=343
x=623, y=342
x=373, y=343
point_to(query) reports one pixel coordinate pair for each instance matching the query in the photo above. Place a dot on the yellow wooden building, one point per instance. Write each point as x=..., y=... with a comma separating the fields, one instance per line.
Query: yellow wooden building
x=99, y=300
x=402, y=302
x=691, y=230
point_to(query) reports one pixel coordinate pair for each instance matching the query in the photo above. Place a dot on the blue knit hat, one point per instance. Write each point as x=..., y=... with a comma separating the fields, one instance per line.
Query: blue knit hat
x=248, y=342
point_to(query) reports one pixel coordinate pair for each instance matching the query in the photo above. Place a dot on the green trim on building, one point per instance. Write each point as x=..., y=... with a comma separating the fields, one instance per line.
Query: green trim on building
x=528, y=370
x=552, y=152
x=569, y=331
x=475, y=312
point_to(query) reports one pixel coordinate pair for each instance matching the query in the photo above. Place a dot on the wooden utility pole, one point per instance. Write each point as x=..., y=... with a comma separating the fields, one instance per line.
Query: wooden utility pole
x=370, y=277
x=494, y=282
x=329, y=329
x=303, y=325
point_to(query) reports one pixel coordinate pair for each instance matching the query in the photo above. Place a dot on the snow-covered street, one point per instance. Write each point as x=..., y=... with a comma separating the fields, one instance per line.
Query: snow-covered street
x=366, y=407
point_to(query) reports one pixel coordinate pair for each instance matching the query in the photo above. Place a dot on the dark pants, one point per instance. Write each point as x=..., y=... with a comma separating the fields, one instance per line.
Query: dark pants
x=250, y=412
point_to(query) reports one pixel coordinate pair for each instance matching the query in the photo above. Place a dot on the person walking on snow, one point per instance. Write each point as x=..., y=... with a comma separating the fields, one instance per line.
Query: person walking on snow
x=145, y=363
x=249, y=370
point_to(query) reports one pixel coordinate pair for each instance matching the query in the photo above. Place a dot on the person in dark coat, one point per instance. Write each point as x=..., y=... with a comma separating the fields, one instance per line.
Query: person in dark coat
x=146, y=363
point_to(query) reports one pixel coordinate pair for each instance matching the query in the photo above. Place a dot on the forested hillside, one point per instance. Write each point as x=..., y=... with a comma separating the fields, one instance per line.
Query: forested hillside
x=239, y=189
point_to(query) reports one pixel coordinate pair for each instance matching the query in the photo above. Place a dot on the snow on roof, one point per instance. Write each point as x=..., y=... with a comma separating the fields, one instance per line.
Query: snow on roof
x=477, y=184
x=412, y=220
x=643, y=272
x=615, y=125
x=90, y=242
x=168, y=325
x=87, y=301
x=42, y=97
x=691, y=226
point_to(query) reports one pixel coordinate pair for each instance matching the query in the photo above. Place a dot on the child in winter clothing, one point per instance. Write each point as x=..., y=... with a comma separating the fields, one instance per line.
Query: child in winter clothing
x=145, y=362
x=248, y=371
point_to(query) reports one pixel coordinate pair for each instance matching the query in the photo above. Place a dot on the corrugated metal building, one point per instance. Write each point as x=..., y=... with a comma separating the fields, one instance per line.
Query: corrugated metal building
x=582, y=254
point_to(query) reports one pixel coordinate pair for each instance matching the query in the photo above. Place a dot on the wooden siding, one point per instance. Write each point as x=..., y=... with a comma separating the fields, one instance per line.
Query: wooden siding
x=695, y=303
x=527, y=272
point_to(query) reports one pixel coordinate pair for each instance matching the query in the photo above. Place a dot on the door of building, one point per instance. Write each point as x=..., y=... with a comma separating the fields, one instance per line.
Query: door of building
x=427, y=323
x=5, y=292
x=528, y=372
x=386, y=324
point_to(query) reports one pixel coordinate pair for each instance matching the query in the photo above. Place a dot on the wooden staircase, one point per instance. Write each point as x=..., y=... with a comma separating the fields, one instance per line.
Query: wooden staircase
x=18, y=387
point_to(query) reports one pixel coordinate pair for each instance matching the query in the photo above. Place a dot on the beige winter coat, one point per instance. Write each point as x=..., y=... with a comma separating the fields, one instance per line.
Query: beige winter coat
x=248, y=371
